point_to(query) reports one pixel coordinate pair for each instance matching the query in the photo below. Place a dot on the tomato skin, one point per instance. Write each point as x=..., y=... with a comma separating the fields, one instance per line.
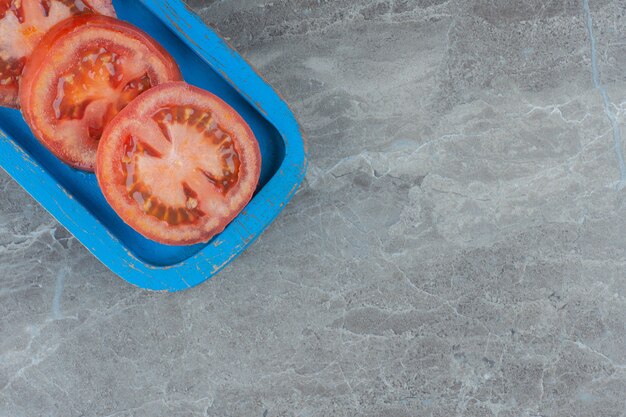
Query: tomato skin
x=37, y=106
x=23, y=23
x=135, y=119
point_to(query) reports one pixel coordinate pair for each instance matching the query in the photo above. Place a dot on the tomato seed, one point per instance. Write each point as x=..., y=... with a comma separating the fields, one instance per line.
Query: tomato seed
x=192, y=203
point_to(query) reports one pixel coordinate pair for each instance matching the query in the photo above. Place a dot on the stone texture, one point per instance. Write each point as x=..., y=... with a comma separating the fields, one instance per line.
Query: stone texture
x=458, y=247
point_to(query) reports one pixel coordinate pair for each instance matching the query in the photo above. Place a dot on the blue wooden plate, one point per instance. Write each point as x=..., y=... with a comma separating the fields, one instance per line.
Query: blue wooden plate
x=74, y=199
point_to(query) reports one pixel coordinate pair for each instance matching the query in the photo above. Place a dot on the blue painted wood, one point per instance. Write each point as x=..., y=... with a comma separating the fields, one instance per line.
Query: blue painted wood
x=75, y=200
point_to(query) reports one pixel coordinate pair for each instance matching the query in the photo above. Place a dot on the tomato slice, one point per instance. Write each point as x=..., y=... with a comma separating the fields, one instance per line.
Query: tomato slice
x=82, y=73
x=22, y=25
x=178, y=164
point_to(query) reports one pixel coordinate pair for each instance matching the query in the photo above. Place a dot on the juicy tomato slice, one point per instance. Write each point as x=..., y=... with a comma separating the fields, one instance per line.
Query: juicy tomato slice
x=22, y=25
x=82, y=73
x=178, y=164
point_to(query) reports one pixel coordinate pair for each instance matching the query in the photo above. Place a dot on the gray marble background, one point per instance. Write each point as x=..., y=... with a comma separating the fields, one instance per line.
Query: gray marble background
x=458, y=247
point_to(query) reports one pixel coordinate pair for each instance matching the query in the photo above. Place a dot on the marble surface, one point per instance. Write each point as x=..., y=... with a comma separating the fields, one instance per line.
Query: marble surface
x=458, y=247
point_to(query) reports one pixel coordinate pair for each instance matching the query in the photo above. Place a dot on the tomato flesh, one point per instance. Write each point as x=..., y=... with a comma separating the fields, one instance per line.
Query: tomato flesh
x=84, y=71
x=141, y=193
x=99, y=75
x=22, y=25
x=192, y=132
x=198, y=150
x=10, y=71
x=178, y=164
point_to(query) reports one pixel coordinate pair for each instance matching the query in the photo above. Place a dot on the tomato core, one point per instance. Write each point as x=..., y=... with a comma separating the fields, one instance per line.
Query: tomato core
x=141, y=193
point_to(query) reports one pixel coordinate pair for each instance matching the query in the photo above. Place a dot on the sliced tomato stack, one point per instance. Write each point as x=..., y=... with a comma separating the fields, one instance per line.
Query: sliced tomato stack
x=22, y=25
x=82, y=73
x=175, y=162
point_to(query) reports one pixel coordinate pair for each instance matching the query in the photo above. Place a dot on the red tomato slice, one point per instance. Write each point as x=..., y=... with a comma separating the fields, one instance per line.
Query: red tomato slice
x=22, y=25
x=178, y=164
x=82, y=73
